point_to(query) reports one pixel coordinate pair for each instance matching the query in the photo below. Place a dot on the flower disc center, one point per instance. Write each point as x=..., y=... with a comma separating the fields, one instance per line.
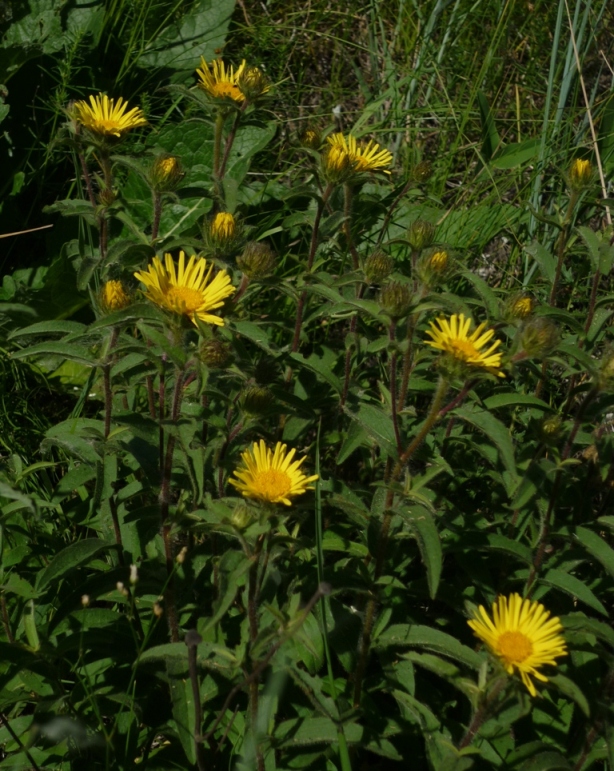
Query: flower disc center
x=515, y=647
x=462, y=349
x=184, y=299
x=227, y=91
x=271, y=485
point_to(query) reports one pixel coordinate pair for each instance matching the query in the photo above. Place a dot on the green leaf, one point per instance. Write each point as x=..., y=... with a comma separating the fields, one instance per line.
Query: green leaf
x=574, y=587
x=516, y=153
x=182, y=703
x=491, y=302
x=545, y=260
x=425, y=530
x=597, y=547
x=418, y=636
x=68, y=351
x=322, y=365
x=497, y=401
x=490, y=137
x=70, y=558
x=580, y=622
x=49, y=328
x=546, y=761
x=200, y=31
x=377, y=425
x=570, y=689
x=314, y=730
x=495, y=430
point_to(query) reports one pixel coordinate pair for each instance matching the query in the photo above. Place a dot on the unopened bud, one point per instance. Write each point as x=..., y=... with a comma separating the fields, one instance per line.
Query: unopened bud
x=85, y=600
x=420, y=234
x=107, y=197
x=580, y=174
x=253, y=83
x=539, y=337
x=134, y=574
x=520, y=306
x=241, y=517
x=113, y=296
x=121, y=588
x=256, y=400
x=257, y=260
x=215, y=354
x=422, y=171
x=222, y=232
x=395, y=299
x=550, y=429
x=158, y=610
x=311, y=139
x=435, y=267
x=165, y=173
x=180, y=558
x=377, y=267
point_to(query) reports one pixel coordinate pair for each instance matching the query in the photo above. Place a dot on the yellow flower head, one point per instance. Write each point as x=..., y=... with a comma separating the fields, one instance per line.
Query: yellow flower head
x=103, y=116
x=219, y=81
x=361, y=157
x=521, y=635
x=522, y=306
x=452, y=337
x=189, y=290
x=580, y=174
x=223, y=226
x=113, y=296
x=271, y=476
x=439, y=261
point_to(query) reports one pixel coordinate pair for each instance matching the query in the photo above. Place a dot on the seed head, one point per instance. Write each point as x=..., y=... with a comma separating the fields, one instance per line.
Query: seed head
x=215, y=354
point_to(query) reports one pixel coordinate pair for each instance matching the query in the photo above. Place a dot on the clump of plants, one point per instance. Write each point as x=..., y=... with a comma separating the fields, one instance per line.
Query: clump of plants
x=337, y=501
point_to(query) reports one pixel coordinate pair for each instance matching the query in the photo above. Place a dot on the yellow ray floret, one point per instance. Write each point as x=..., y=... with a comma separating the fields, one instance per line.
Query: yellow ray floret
x=521, y=635
x=105, y=117
x=363, y=157
x=220, y=81
x=452, y=336
x=271, y=476
x=188, y=290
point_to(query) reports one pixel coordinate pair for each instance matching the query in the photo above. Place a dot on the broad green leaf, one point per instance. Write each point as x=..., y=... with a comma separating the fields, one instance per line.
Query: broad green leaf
x=570, y=689
x=515, y=154
x=322, y=365
x=425, y=530
x=491, y=303
x=579, y=622
x=495, y=430
x=68, y=351
x=314, y=730
x=550, y=760
x=545, y=260
x=68, y=559
x=182, y=703
x=597, y=547
x=496, y=401
x=49, y=328
x=490, y=137
x=419, y=636
x=377, y=424
x=574, y=587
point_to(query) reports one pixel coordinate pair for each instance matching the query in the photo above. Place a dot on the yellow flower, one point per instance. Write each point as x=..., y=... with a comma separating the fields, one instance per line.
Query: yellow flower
x=580, y=174
x=362, y=157
x=522, y=306
x=113, y=296
x=521, y=635
x=219, y=81
x=103, y=116
x=188, y=291
x=271, y=476
x=223, y=226
x=439, y=261
x=452, y=337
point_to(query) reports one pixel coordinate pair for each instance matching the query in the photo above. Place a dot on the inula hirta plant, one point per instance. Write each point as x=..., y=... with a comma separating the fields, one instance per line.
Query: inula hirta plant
x=315, y=421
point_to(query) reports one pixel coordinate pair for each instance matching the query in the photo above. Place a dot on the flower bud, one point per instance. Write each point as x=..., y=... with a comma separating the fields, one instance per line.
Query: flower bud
x=241, y=517
x=134, y=574
x=256, y=400
x=337, y=166
x=165, y=173
x=253, y=83
x=422, y=171
x=434, y=267
x=113, y=296
x=311, y=139
x=377, y=267
x=85, y=600
x=580, y=174
x=180, y=558
x=550, y=429
x=121, y=588
x=215, y=354
x=222, y=232
x=107, y=197
x=420, y=235
x=257, y=260
x=158, y=610
x=539, y=337
x=519, y=306
x=395, y=299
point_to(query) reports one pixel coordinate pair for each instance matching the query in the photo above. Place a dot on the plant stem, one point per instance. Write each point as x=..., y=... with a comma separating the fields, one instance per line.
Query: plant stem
x=157, y=213
x=106, y=378
x=482, y=713
x=88, y=180
x=391, y=210
x=561, y=244
x=192, y=640
x=592, y=301
x=230, y=140
x=382, y=545
x=252, y=614
x=392, y=329
x=348, y=197
x=217, y=142
x=313, y=245
x=164, y=500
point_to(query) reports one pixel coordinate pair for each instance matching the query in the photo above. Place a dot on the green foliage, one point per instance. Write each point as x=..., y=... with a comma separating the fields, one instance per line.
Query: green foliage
x=152, y=616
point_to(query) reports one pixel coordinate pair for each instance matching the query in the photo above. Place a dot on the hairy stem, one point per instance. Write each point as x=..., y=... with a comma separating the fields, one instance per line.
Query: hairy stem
x=157, y=213
x=482, y=713
x=560, y=246
x=392, y=330
x=192, y=640
x=230, y=140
